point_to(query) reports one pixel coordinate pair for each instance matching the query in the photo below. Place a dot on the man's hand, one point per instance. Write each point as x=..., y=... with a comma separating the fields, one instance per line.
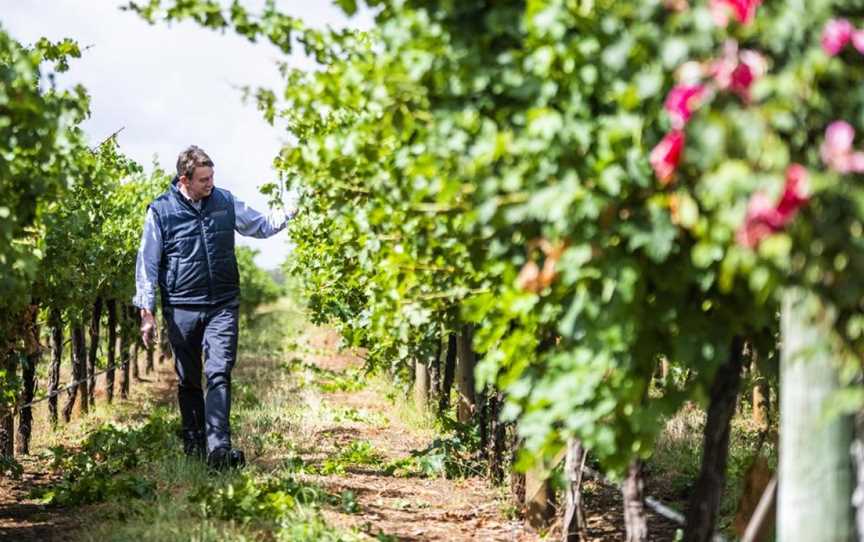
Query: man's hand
x=148, y=327
x=291, y=206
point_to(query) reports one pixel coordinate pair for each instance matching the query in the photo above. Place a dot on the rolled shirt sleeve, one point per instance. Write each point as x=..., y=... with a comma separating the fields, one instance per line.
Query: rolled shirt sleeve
x=147, y=264
x=252, y=223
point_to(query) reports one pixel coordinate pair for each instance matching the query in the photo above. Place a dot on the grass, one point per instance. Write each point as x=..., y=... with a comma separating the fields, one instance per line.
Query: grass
x=420, y=421
x=356, y=454
x=674, y=467
x=326, y=380
x=362, y=416
x=132, y=482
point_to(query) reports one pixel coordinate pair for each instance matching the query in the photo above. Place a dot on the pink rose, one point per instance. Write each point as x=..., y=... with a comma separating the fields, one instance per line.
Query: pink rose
x=761, y=221
x=855, y=162
x=836, y=35
x=719, y=12
x=751, y=68
x=836, y=150
x=755, y=61
x=738, y=71
x=838, y=138
x=722, y=68
x=681, y=102
x=742, y=78
x=794, y=193
x=744, y=11
x=858, y=41
x=666, y=155
x=763, y=218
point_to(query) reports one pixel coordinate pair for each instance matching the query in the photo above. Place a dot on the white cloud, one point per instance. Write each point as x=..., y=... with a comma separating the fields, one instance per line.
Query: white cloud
x=171, y=86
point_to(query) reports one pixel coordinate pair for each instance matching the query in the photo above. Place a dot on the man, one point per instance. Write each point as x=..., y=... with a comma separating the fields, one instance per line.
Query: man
x=187, y=248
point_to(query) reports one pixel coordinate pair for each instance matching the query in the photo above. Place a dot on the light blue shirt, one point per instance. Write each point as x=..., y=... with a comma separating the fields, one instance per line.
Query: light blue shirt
x=248, y=222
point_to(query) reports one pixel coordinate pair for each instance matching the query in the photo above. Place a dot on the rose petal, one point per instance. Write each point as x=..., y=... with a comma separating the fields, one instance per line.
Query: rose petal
x=763, y=219
x=755, y=61
x=744, y=11
x=742, y=78
x=794, y=195
x=760, y=221
x=666, y=155
x=837, y=146
x=836, y=35
x=719, y=12
x=855, y=162
x=750, y=234
x=858, y=40
x=681, y=102
x=722, y=70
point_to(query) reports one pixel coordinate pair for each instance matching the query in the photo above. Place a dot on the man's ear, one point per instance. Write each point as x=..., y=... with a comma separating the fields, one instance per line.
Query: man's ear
x=184, y=180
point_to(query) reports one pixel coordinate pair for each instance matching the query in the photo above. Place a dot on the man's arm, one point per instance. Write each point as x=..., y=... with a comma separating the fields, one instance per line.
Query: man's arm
x=147, y=275
x=252, y=223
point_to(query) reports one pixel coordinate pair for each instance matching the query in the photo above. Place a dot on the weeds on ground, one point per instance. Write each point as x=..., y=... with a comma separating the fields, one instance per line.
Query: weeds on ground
x=103, y=467
x=366, y=417
x=268, y=335
x=674, y=466
x=357, y=453
x=311, y=528
x=10, y=468
x=249, y=497
x=454, y=454
x=326, y=380
x=454, y=449
x=244, y=395
x=192, y=502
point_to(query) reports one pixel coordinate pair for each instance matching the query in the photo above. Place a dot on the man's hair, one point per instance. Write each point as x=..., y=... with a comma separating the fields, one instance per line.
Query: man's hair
x=191, y=158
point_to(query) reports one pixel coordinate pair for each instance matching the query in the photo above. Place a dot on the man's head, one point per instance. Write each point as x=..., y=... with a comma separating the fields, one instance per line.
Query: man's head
x=195, y=170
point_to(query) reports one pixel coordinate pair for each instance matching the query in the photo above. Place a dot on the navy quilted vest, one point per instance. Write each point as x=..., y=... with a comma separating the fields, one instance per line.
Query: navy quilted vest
x=198, y=265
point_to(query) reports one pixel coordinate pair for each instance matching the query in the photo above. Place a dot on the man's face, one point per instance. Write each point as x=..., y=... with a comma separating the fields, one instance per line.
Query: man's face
x=200, y=185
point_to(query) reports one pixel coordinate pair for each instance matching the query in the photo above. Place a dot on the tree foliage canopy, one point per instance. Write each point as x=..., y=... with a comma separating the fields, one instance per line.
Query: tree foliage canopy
x=597, y=185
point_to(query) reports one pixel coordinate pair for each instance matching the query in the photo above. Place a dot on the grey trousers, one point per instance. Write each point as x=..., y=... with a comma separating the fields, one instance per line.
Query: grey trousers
x=211, y=332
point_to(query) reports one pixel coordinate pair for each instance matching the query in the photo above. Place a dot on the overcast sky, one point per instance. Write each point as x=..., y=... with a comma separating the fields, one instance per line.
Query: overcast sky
x=172, y=86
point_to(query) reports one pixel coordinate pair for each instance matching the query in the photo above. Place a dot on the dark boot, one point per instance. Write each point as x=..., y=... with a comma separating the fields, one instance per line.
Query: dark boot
x=226, y=458
x=195, y=444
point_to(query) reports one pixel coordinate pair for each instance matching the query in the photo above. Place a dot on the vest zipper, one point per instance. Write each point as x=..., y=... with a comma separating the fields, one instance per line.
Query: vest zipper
x=200, y=214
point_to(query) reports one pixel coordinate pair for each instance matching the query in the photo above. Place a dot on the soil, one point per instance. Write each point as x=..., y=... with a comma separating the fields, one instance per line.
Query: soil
x=408, y=509
x=24, y=518
x=415, y=509
x=404, y=508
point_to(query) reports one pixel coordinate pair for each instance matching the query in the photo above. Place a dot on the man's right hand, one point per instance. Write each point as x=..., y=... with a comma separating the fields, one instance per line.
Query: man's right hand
x=291, y=205
x=148, y=327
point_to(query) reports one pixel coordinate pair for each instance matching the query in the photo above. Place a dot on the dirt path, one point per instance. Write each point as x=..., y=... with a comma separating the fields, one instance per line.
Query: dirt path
x=414, y=509
x=25, y=519
x=320, y=425
x=405, y=508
